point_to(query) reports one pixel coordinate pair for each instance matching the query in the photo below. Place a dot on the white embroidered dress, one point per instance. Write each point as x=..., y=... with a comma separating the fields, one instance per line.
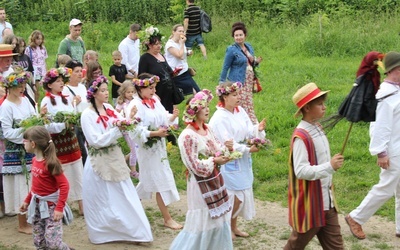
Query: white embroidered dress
x=200, y=231
x=238, y=174
x=155, y=172
x=113, y=211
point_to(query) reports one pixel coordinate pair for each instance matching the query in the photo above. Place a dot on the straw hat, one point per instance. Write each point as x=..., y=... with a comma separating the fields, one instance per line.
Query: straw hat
x=391, y=61
x=306, y=94
x=6, y=50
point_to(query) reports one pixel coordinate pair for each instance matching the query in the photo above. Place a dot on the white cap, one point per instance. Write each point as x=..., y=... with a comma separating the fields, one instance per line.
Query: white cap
x=75, y=22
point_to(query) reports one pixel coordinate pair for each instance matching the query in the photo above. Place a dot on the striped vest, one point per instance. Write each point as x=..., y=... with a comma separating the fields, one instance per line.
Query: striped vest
x=306, y=206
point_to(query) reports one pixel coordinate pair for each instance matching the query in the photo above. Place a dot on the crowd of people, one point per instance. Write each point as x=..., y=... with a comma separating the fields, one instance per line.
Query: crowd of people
x=44, y=167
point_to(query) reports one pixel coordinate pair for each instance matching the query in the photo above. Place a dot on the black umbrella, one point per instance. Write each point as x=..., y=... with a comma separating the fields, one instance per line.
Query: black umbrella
x=360, y=104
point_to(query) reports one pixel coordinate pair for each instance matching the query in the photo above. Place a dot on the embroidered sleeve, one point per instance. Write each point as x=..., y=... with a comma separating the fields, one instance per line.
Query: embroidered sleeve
x=192, y=158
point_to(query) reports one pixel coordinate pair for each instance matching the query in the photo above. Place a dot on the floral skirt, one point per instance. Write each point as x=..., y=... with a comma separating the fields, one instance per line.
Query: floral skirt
x=246, y=95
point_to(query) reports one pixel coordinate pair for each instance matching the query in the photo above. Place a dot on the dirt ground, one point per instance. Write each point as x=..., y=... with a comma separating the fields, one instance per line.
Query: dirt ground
x=269, y=230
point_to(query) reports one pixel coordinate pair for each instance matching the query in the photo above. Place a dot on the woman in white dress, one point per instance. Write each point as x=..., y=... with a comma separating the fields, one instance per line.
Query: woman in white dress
x=76, y=92
x=155, y=173
x=230, y=121
x=15, y=173
x=113, y=211
x=63, y=136
x=207, y=220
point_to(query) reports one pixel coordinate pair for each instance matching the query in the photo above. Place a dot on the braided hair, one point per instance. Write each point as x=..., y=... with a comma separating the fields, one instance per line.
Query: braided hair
x=93, y=88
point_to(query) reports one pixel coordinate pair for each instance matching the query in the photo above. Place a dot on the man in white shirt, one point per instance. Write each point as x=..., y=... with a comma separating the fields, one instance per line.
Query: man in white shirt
x=385, y=144
x=130, y=50
x=3, y=23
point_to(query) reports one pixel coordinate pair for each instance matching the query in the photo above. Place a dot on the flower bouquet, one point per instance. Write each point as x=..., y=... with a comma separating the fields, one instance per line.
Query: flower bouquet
x=151, y=140
x=233, y=155
x=258, y=142
x=173, y=130
x=127, y=125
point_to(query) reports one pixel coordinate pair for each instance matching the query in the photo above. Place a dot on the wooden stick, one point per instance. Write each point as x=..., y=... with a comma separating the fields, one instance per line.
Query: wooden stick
x=347, y=138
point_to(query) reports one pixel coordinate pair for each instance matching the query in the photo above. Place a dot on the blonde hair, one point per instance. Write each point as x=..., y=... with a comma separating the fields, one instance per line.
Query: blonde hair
x=90, y=55
x=175, y=28
x=63, y=59
x=116, y=53
x=122, y=90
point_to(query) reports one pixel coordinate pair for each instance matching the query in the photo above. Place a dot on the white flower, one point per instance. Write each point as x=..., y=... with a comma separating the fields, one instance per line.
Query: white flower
x=150, y=30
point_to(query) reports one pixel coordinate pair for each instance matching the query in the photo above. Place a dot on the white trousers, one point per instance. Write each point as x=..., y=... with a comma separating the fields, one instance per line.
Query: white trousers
x=388, y=185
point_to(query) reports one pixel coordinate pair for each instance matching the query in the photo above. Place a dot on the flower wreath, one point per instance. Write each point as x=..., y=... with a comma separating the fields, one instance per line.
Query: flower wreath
x=226, y=90
x=199, y=101
x=14, y=79
x=95, y=86
x=146, y=82
x=64, y=72
x=148, y=33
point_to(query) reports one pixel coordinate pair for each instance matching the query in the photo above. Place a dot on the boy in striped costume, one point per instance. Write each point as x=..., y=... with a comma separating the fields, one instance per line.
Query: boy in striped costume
x=312, y=208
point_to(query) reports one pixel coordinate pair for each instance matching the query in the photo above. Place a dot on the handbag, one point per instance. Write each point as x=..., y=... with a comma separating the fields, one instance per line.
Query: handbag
x=256, y=85
x=177, y=95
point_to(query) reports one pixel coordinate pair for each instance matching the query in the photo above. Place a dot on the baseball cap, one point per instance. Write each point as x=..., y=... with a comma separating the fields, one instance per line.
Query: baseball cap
x=75, y=22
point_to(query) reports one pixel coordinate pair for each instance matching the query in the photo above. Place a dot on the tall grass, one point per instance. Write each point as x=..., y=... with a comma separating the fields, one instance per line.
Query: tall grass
x=322, y=49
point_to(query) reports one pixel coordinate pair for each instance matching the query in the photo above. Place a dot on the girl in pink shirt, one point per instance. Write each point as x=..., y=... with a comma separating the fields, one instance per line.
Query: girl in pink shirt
x=38, y=54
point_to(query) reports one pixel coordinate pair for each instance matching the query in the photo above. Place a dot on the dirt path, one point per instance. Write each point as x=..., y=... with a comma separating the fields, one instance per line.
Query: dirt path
x=269, y=230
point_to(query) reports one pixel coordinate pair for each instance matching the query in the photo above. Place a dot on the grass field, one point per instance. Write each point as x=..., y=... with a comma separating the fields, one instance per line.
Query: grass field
x=320, y=50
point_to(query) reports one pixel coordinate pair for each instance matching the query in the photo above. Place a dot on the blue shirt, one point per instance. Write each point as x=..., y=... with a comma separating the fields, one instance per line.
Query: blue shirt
x=235, y=63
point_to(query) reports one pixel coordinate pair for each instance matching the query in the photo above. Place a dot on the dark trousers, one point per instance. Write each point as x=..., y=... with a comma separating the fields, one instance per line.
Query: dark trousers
x=329, y=236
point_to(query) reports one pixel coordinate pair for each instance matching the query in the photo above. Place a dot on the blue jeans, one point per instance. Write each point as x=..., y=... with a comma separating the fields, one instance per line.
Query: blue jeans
x=191, y=39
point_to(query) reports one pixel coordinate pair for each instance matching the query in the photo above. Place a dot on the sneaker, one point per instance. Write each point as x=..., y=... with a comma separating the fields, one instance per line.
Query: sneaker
x=1, y=214
x=355, y=228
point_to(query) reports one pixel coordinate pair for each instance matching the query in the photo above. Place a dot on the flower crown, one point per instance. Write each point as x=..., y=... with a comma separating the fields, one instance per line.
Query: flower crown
x=199, y=101
x=14, y=79
x=146, y=82
x=226, y=90
x=54, y=73
x=148, y=33
x=95, y=86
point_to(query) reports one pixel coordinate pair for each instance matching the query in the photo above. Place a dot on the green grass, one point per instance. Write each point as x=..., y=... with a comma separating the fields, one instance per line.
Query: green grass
x=293, y=56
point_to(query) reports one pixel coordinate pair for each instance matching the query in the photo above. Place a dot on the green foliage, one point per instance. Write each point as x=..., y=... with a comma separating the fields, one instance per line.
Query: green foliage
x=319, y=49
x=156, y=11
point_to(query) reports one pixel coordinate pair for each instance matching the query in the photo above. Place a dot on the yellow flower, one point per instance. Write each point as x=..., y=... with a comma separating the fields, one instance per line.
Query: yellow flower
x=11, y=78
x=169, y=147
